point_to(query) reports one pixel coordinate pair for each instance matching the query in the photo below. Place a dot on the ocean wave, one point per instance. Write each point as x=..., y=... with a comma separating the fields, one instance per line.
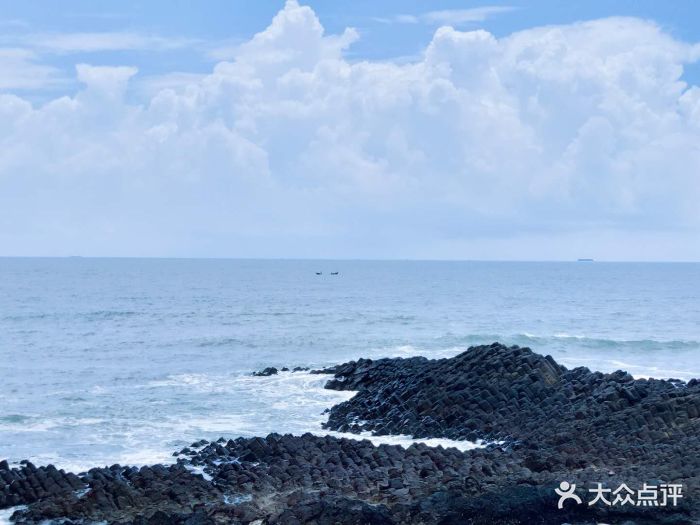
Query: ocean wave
x=223, y=341
x=212, y=405
x=25, y=423
x=582, y=340
x=408, y=350
x=28, y=317
x=287, y=403
x=6, y=513
x=97, y=315
x=544, y=342
x=643, y=358
x=109, y=314
x=398, y=318
x=202, y=382
x=539, y=343
x=33, y=423
x=559, y=338
x=638, y=371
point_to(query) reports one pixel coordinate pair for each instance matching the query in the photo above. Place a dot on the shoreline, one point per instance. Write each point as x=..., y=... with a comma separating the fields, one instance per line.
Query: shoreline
x=545, y=424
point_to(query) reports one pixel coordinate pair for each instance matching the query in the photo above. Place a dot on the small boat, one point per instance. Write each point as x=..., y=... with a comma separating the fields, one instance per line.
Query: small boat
x=334, y=273
x=585, y=260
x=319, y=273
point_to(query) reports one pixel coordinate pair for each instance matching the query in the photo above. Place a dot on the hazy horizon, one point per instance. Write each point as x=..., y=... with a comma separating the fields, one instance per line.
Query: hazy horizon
x=582, y=260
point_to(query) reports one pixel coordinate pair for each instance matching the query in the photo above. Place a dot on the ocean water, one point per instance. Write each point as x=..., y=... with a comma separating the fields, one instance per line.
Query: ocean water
x=127, y=360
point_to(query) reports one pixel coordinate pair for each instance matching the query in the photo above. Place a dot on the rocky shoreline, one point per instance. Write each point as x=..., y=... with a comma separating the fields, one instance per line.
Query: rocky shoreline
x=545, y=425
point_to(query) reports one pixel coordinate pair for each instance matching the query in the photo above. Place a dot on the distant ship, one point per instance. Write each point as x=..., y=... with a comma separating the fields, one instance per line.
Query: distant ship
x=585, y=260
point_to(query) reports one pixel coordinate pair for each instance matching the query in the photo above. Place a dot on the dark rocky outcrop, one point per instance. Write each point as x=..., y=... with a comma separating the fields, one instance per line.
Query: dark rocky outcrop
x=269, y=371
x=551, y=424
x=559, y=422
x=27, y=483
x=512, y=394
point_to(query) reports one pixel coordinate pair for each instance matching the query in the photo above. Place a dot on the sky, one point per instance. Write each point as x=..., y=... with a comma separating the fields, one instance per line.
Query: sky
x=539, y=130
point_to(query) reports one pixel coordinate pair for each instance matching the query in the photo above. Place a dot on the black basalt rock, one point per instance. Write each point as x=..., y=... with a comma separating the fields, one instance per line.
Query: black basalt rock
x=544, y=424
x=269, y=371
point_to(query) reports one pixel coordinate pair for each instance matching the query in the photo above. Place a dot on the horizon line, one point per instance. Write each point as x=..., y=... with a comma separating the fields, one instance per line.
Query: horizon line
x=348, y=259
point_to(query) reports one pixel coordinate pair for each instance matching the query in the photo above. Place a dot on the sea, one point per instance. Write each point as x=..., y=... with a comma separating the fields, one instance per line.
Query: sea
x=107, y=361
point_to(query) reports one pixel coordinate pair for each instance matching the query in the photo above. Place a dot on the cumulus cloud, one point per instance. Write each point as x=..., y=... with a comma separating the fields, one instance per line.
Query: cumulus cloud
x=583, y=135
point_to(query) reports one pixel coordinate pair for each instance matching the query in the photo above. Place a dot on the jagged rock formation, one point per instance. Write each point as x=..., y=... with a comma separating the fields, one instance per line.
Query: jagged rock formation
x=551, y=424
x=568, y=418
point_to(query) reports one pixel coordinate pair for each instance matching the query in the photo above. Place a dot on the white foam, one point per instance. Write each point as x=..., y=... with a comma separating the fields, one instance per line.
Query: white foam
x=60, y=462
x=27, y=426
x=141, y=457
x=286, y=403
x=200, y=382
x=406, y=441
x=282, y=392
x=413, y=351
x=198, y=470
x=35, y=424
x=237, y=499
x=212, y=423
x=564, y=335
x=6, y=513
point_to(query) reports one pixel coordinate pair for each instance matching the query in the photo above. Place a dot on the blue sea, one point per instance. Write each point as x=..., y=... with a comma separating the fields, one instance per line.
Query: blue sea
x=126, y=360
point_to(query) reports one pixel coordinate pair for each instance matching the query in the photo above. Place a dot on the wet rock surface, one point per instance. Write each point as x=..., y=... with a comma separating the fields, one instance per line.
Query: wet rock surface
x=558, y=421
x=513, y=394
x=551, y=424
x=271, y=371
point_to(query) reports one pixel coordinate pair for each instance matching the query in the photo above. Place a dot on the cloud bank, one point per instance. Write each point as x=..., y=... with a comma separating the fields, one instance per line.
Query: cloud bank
x=553, y=142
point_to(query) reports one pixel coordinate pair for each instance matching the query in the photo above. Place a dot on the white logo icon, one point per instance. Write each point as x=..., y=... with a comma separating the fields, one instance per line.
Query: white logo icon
x=566, y=491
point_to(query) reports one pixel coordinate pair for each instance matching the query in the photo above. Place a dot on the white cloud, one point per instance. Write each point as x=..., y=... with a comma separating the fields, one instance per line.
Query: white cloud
x=452, y=17
x=583, y=131
x=177, y=81
x=226, y=49
x=294, y=40
x=20, y=69
x=463, y=16
x=69, y=43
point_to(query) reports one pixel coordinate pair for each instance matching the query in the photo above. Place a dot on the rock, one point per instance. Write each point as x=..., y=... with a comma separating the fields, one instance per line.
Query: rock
x=269, y=371
x=552, y=425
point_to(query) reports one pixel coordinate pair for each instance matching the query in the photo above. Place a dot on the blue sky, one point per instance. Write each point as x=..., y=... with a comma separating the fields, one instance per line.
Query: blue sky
x=198, y=30
x=495, y=130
